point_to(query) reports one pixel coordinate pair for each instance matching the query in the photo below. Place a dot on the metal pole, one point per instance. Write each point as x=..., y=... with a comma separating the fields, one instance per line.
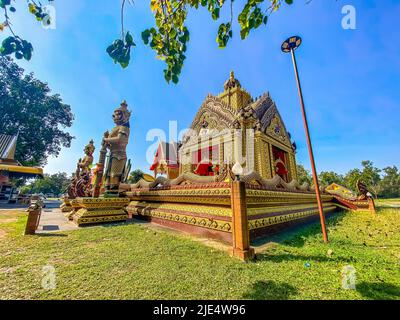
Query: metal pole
x=310, y=150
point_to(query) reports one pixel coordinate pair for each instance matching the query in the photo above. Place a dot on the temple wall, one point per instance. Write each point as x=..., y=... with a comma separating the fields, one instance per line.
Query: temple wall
x=198, y=209
x=205, y=209
x=269, y=209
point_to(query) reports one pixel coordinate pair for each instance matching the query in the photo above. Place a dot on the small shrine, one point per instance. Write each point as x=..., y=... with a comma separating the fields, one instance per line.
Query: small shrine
x=233, y=126
x=166, y=160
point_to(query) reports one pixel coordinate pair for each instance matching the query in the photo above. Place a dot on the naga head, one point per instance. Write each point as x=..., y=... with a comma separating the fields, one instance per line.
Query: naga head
x=121, y=115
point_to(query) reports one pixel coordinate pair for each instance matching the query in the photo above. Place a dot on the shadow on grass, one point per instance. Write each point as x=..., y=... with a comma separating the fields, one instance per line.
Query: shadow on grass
x=379, y=291
x=51, y=228
x=270, y=290
x=51, y=234
x=365, y=244
x=290, y=257
x=296, y=236
x=109, y=224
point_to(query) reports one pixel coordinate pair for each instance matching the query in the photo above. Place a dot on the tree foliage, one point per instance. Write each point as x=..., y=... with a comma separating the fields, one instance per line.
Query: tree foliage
x=326, y=178
x=170, y=35
x=135, y=176
x=382, y=183
x=303, y=175
x=56, y=183
x=28, y=108
x=369, y=174
x=13, y=44
x=351, y=178
x=390, y=183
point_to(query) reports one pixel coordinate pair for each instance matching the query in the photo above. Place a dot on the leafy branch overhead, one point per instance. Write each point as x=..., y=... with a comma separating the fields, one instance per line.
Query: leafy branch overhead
x=14, y=44
x=168, y=38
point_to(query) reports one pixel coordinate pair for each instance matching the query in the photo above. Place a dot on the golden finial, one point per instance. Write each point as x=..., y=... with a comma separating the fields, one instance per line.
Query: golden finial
x=231, y=82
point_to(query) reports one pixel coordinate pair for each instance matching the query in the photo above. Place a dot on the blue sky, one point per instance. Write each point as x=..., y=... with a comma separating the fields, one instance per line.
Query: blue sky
x=350, y=78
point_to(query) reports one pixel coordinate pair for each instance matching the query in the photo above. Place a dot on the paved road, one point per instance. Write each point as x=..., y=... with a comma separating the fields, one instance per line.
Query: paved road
x=52, y=219
x=50, y=204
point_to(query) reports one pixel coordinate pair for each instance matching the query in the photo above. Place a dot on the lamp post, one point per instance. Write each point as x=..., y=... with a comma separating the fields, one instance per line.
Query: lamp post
x=290, y=45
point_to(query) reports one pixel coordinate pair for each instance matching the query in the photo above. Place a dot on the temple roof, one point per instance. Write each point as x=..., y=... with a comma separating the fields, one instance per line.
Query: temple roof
x=8, y=144
x=166, y=154
x=16, y=171
x=9, y=165
x=226, y=111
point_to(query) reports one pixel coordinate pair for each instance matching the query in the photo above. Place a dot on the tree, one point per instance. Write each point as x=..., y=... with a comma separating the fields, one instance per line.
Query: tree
x=56, y=183
x=351, y=178
x=390, y=183
x=135, y=176
x=303, y=175
x=168, y=38
x=328, y=177
x=370, y=175
x=28, y=108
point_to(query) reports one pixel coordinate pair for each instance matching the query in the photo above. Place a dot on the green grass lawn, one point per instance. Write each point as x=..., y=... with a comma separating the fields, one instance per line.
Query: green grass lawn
x=131, y=261
x=388, y=202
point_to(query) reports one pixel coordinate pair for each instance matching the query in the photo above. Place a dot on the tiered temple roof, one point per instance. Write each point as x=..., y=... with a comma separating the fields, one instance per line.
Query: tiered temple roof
x=10, y=166
x=228, y=109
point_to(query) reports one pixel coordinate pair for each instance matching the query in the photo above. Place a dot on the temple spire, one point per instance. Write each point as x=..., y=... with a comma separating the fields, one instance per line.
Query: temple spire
x=232, y=82
x=233, y=94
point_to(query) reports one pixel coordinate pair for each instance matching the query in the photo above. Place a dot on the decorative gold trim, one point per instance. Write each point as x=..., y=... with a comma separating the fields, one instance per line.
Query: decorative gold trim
x=189, y=208
x=253, y=211
x=209, y=223
x=269, y=221
x=100, y=219
x=97, y=203
x=83, y=212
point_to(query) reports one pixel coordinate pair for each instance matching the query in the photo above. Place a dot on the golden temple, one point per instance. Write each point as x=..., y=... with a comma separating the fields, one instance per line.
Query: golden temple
x=204, y=194
x=233, y=127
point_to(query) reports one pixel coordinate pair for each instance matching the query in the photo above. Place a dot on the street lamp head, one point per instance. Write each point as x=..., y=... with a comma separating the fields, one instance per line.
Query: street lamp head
x=291, y=43
x=237, y=170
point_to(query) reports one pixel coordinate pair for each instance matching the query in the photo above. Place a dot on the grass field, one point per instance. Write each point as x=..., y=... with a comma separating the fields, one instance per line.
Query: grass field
x=388, y=202
x=132, y=261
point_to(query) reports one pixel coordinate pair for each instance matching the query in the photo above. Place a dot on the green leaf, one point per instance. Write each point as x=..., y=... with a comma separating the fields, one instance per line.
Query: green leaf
x=19, y=55
x=244, y=33
x=242, y=18
x=172, y=33
x=215, y=14
x=175, y=78
x=145, y=36
x=167, y=75
x=4, y=3
x=129, y=39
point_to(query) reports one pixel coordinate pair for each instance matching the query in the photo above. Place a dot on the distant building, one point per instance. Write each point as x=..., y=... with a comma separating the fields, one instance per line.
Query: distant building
x=166, y=160
x=11, y=168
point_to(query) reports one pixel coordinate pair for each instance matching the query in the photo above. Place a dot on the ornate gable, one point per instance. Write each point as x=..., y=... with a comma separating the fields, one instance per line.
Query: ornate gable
x=214, y=114
x=276, y=129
